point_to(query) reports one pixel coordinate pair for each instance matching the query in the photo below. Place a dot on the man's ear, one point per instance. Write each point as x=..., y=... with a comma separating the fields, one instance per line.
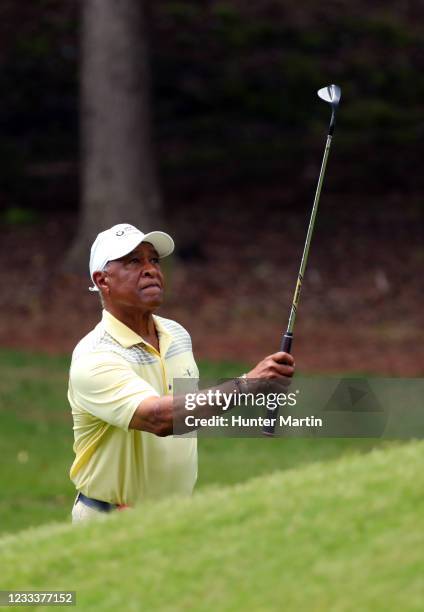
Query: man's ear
x=100, y=279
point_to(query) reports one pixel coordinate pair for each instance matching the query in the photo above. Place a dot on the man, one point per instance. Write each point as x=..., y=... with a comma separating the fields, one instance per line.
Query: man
x=121, y=382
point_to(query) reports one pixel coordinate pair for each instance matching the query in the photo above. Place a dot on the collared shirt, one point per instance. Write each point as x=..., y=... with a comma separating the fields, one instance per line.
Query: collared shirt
x=112, y=371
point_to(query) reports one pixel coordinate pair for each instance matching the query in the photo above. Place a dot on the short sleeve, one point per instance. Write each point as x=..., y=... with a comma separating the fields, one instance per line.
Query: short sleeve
x=105, y=385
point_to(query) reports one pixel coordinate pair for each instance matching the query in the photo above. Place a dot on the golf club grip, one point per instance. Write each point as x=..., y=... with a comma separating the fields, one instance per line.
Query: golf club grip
x=286, y=342
x=285, y=347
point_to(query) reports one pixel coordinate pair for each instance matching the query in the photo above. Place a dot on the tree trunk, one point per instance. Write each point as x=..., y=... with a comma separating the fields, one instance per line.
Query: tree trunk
x=118, y=175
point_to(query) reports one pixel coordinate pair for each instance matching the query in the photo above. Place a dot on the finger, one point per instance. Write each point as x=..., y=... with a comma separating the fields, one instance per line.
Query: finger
x=282, y=357
x=281, y=369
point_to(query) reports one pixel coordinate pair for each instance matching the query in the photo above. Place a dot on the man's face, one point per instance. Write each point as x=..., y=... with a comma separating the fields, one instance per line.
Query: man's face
x=136, y=279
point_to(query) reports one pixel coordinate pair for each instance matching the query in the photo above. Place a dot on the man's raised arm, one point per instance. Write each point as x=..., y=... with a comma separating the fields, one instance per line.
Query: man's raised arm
x=158, y=415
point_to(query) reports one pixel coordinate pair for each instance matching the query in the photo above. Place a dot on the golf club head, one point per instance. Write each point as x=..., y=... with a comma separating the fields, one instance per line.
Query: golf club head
x=331, y=94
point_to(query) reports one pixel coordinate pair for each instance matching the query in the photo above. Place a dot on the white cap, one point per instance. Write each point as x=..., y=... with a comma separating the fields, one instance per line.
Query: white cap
x=120, y=240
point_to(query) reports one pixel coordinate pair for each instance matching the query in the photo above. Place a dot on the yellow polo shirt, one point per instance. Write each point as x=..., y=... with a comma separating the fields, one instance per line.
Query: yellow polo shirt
x=113, y=369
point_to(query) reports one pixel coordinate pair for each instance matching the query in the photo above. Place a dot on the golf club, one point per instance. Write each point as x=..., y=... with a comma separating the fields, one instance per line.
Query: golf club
x=332, y=95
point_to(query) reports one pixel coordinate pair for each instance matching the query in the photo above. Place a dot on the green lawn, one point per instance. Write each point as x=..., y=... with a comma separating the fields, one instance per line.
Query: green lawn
x=36, y=443
x=335, y=536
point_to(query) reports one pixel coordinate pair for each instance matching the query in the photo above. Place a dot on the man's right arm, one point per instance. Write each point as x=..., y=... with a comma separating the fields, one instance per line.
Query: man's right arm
x=154, y=415
x=158, y=415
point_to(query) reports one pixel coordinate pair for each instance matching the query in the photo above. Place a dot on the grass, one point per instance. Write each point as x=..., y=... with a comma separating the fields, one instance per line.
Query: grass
x=343, y=535
x=36, y=442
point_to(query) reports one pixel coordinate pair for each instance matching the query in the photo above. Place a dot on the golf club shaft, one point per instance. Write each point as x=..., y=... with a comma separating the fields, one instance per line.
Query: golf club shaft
x=287, y=338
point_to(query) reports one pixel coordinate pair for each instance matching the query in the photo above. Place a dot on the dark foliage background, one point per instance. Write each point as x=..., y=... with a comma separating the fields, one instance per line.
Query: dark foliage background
x=234, y=94
x=239, y=135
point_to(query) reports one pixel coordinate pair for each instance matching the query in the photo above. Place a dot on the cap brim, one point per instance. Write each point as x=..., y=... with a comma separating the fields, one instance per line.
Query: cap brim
x=161, y=241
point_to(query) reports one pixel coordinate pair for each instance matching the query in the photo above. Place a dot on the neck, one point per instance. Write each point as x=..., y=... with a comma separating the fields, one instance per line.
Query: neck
x=141, y=323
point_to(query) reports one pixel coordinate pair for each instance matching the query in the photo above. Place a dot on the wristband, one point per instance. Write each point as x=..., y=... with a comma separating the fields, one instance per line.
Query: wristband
x=241, y=384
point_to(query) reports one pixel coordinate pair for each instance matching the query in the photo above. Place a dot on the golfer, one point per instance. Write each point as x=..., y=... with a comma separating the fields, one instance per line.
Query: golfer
x=121, y=382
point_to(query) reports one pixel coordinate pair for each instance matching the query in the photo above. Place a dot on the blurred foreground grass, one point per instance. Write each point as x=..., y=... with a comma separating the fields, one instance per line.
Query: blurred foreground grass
x=339, y=536
x=36, y=443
